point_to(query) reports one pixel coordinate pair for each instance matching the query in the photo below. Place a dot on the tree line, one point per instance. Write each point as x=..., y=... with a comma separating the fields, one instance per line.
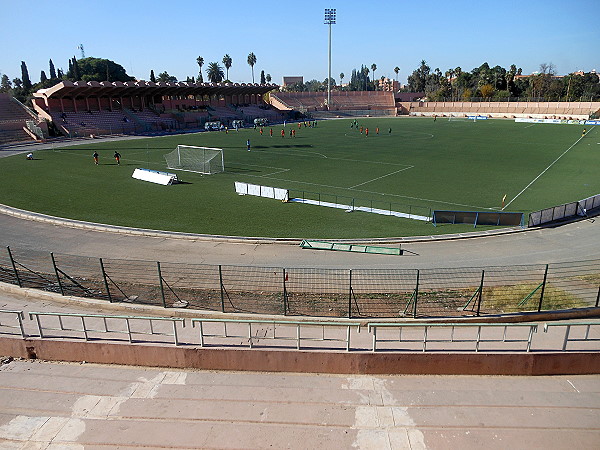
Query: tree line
x=499, y=83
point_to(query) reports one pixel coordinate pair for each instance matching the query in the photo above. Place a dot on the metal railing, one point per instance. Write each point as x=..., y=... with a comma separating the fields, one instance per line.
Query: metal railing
x=478, y=339
x=271, y=331
x=568, y=325
x=324, y=335
x=17, y=316
x=73, y=322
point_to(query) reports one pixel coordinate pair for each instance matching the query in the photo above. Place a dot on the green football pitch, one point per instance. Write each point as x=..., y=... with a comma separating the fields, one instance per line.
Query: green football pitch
x=420, y=165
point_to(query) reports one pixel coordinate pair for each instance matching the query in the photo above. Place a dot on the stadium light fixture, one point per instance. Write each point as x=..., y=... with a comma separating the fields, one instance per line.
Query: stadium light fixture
x=329, y=20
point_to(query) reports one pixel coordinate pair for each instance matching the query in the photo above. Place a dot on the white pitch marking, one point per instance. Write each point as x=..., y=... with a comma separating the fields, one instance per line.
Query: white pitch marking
x=379, y=178
x=544, y=171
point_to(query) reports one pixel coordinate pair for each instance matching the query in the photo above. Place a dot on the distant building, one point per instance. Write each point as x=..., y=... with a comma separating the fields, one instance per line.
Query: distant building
x=292, y=80
x=387, y=84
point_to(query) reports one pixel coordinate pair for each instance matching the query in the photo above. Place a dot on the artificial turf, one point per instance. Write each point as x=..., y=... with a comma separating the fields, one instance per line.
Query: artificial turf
x=420, y=165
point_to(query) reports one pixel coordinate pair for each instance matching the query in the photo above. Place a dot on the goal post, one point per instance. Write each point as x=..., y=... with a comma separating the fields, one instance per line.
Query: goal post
x=462, y=118
x=205, y=160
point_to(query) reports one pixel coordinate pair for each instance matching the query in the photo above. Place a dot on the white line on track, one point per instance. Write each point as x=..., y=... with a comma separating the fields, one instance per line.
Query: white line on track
x=545, y=170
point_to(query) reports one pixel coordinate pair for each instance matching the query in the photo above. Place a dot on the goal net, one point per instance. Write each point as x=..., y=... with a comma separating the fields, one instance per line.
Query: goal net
x=204, y=160
x=461, y=119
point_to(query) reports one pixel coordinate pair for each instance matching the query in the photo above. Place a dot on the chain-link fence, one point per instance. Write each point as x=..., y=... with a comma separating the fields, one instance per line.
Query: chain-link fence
x=356, y=293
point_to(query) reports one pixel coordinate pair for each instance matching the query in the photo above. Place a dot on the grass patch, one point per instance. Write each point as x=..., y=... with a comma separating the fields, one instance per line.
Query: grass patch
x=508, y=298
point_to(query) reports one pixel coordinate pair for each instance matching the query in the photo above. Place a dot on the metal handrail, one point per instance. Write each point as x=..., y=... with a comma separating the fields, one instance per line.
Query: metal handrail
x=298, y=324
x=568, y=325
x=19, y=316
x=372, y=328
x=85, y=329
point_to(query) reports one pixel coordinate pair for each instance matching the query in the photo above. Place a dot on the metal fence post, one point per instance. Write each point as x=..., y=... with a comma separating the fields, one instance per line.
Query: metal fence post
x=416, y=295
x=285, y=308
x=105, y=280
x=480, y=293
x=62, y=292
x=543, y=288
x=160, y=280
x=350, y=295
x=14, y=266
x=598, y=297
x=221, y=287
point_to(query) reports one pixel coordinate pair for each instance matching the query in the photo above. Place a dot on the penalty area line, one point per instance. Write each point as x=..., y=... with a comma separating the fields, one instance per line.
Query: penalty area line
x=544, y=171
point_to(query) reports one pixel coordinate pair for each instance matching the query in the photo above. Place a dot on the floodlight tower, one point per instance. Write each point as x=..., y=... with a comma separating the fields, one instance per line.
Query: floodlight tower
x=329, y=20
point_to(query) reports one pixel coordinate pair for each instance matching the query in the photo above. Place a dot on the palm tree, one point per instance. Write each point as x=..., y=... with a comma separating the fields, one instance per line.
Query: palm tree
x=200, y=61
x=214, y=72
x=251, y=62
x=374, y=68
x=396, y=70
x=227, y=63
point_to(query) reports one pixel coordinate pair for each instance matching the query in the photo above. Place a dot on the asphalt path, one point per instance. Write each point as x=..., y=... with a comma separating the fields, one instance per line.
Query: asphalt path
x=570, y=242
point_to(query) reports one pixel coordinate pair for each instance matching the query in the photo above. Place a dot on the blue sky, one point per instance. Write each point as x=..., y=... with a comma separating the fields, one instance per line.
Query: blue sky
x=289, y=38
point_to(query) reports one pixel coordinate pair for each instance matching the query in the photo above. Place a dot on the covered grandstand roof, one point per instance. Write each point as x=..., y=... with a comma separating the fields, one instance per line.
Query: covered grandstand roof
x=141, y=88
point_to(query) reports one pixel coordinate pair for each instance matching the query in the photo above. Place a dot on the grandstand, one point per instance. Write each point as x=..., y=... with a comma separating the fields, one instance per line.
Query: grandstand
x=342, y=102
x=507, y=110
x=17, y=123
x=90, y=108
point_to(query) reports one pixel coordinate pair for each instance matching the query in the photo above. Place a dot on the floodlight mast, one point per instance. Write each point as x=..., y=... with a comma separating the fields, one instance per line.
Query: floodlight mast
x=329, y=20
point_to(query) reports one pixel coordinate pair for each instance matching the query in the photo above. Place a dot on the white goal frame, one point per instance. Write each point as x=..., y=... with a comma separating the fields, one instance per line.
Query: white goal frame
x=189, y=158
x=452, y=118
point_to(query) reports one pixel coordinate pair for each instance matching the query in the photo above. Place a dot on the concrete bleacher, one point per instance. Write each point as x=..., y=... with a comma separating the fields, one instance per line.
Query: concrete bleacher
x=13, y=120
x=548, y=110
x=110, y=122
x=340, y=101
x=251, y=112
x=93, y=123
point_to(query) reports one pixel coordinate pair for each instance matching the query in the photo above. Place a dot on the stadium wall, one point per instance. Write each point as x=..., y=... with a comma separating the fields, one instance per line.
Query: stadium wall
x=304, y=361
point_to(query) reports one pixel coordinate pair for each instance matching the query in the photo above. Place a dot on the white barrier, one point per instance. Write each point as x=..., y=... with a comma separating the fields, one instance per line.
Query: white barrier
x=154, y=176
x=257, y=190
x=559, y=121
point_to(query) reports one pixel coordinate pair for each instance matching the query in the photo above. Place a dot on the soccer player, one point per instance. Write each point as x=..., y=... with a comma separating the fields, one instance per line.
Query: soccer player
x=118, y=157
x=282, y=133
x=261, y=131
x=361, y=130
x=95, y=156
x=248, y=144
x=377, y=130
x=366, y=132
x=29, y=156
x=294, y=132
x=389, y=131
x=583, y=134
x=271, y=132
